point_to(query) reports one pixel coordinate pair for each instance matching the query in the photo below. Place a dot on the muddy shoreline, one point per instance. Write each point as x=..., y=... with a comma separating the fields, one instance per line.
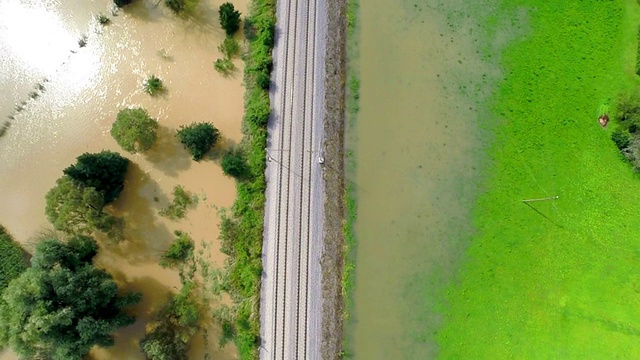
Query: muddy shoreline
x=333, y=247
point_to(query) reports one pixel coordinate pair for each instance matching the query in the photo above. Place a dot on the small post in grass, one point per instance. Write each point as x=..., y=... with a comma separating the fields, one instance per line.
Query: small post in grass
x=540, y=199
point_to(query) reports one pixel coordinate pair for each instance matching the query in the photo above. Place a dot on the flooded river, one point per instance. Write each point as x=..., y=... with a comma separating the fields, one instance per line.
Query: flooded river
x=82, y=89
x=418, y=147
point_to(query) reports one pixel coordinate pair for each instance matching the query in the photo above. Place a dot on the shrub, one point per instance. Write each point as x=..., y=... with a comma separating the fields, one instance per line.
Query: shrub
x=258, y=107
x=103, y=19
x=224, y=66
x=621, y=138
x=198, y=138
x=229, y=47
x=121, y=3
x=103, y=171
x=263, y=80
x=172, y=328
x=229, y=18
x=181, y=6
x=181, y=200
x=178, y=252
x=153, y=85
x=234, y=164
x=134, y=130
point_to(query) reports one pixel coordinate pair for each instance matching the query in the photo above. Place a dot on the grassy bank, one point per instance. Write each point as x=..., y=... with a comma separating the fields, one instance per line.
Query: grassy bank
x=557, y=279
x=242, y=228
x=352, y=94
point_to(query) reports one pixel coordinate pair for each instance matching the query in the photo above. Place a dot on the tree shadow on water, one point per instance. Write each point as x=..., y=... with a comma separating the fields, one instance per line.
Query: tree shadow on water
x=168, y=154
x=144, y=236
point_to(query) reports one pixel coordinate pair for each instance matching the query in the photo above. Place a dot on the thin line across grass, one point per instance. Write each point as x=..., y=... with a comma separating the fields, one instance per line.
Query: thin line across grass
x=561, y=281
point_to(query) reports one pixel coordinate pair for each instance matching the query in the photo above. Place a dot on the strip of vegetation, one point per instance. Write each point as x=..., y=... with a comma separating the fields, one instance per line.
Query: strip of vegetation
x=242, y=228
x=539, y=281
x=353, y=96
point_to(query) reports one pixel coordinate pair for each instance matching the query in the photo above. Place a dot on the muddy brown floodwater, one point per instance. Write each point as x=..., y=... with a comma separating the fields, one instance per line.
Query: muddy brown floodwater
x=84, y=89
x=417, y=148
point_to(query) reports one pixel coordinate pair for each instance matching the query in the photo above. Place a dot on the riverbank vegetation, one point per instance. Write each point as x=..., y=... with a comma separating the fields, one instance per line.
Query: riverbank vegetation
x=554, y=279
x=241, y=228
x=153, y=85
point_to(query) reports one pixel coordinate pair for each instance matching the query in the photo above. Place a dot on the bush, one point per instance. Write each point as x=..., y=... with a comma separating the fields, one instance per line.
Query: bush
x=153, y=85
x=134, y=130
x=224, y=66
x=181, y=200
x=198, y=138
x=229, y=18
x=182, y=6
x=621, y=138
x=229, y=47
x=103, y=19
x=172, y=328
x=63, y=305
x=263, y=80
x=121, y=3
x=258, y=107
x=179, y=251
x=12, y=261
x=103, y=171
x=234, y=164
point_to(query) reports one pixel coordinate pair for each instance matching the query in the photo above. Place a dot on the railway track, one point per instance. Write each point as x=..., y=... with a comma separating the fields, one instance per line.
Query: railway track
x=291, y=296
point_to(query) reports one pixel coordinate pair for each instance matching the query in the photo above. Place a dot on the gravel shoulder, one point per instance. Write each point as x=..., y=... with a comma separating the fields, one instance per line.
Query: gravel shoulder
x=333, y=241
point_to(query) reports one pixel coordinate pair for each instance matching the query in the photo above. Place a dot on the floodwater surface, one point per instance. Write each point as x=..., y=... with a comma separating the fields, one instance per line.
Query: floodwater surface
x=418, y=154
x=82, y=89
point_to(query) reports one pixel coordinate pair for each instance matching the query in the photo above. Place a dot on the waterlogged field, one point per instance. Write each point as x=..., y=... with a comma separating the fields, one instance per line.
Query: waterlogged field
x=558, y=279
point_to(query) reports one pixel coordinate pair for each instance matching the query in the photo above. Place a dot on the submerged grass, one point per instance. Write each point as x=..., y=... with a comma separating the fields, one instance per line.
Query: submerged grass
x=556, y=279
x=352, y=94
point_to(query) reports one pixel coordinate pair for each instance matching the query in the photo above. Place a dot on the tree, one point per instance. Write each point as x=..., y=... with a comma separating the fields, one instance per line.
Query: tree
x=63, y=305
x=12, y=261
x=77, y=209
x=134, y=130
x=198, y=138
x=104, y=171
x=172, y=328
x=234, y=164
x=229, y=18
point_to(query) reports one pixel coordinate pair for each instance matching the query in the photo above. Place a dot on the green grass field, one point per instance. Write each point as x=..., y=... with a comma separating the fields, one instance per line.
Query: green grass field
x=560, y=280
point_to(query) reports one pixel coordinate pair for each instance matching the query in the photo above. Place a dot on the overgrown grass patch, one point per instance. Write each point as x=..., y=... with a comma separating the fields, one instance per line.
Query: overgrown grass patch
x=557, y=279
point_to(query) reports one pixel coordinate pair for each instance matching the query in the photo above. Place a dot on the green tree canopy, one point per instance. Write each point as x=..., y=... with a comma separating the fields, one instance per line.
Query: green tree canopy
x=172, y=328
x=229, y=18
x=134, y=130
x=198, y=138
x=12, y=261
x=182, y=6
x=104, y=171
x=63, y=305
x=77, y=209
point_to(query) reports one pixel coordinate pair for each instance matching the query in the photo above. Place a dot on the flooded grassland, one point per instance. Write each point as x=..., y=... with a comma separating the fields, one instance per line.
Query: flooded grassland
x=418, y=145
x=84, y=87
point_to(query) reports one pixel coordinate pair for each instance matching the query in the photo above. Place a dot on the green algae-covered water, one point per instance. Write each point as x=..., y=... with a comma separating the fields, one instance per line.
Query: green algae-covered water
x=466, y=110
